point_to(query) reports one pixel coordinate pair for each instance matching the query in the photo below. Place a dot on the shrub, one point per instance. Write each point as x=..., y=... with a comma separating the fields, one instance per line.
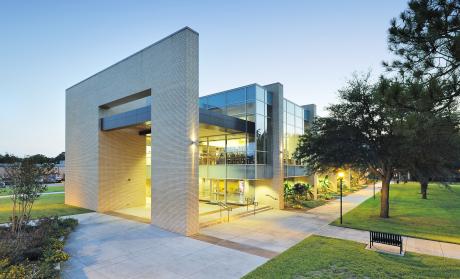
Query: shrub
x=35, y=252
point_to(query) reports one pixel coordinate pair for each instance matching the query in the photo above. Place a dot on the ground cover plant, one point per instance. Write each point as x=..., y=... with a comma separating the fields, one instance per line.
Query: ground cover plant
x=35, y=252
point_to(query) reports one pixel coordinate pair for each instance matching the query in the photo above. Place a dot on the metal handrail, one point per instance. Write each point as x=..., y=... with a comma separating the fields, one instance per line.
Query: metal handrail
x=226, y=207
x=272, y=197
x=249, y=200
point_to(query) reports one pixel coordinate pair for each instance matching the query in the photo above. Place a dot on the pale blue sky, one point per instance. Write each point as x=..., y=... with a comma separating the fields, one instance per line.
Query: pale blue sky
x=311, y=47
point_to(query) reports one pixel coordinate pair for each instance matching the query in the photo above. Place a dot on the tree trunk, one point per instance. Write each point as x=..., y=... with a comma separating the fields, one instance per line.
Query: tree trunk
x=385, y=196
x=424, y=188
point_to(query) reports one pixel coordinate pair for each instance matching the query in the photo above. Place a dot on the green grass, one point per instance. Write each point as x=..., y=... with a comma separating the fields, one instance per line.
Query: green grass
x=437, y=218
x=323, y=257
x=7, y=191
x=48, y=205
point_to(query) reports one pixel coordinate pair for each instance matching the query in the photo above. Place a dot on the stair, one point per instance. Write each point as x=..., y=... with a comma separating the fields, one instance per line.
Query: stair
x=233, y=216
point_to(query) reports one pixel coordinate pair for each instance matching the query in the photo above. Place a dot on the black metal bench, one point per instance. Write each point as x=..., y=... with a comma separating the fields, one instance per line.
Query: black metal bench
x=386, y=238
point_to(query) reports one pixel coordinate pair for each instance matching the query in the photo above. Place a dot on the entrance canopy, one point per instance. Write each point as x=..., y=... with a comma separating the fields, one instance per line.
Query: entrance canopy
x=210, y=122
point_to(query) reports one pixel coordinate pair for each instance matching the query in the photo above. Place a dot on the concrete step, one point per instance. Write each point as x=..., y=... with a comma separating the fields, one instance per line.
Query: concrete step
x=234, y=216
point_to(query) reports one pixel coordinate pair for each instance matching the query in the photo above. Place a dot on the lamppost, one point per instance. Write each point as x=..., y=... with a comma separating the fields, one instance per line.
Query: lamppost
x=341, y=175
x=374, y=189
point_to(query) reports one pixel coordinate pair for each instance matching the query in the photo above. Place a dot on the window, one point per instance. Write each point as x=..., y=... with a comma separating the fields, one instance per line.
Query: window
x=236, y=109
x=251, y=107
x=270, y=98
x=260, y=94
x=204, y=102
x=260, y=107
x=298, y=111
x=216, y=101
x=251, y=93
x=236, y=96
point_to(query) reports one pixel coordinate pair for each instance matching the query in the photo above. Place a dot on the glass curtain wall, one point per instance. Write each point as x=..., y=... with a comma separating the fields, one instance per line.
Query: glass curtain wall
x=293, y=123
x=231, y=158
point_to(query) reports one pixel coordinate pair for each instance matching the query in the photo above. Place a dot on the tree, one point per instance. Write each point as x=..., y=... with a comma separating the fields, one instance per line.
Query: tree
x=60, y=157
x=360, y=132
x=426, y=40
x=27, y=185
x=431, y=136
x=433, y=143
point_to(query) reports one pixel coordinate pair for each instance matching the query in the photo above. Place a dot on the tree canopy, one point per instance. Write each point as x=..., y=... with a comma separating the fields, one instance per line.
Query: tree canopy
x=361, y=131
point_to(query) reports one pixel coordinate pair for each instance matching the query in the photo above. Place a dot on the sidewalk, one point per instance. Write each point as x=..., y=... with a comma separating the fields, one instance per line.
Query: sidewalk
x=42, y=194
x=416, y=245
x=278, y=230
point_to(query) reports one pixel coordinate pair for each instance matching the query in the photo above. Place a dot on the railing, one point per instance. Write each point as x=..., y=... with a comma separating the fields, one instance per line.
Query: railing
x=249, y=201
x=224, y=206
x=272, y=197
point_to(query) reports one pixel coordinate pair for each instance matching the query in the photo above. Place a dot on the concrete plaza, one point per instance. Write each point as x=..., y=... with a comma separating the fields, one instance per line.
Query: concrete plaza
x=106, y=246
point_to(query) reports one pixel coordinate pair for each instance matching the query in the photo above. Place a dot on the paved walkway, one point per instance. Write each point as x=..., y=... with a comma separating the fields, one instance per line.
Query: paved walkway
x=106, y=246
x=276, y=230
x=44, y=194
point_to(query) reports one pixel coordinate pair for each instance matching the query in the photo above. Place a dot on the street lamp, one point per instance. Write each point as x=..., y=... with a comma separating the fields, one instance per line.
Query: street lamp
x=341, y=175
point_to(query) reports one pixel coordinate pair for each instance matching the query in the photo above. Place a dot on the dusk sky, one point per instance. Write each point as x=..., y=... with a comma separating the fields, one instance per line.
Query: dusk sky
x=311, y=47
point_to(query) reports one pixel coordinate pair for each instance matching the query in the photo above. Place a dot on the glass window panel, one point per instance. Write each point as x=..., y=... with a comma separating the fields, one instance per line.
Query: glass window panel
x=251, y=107
x=216, y=150
x=260, y=94
x=269, y=98
x=251, y=149
x=268, y=138
x=299, y=131
x=269, y=111
x=236, y=143
x=217, y=101
x=290, y=119
x=260, y=107
x=290, y=107
x=260, y=132
x=285, y=105
x=261, y=157
x=203, y=152
x=251, y=118
x=298, y=122
x=204, y=102
x=298, y=111
x=236, y=96
x=250, y=93
x=236, y=109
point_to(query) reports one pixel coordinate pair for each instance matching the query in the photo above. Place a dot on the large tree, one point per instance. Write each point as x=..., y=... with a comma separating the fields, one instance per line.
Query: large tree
x=360, y=131
x=431, y=136
x=426, y=41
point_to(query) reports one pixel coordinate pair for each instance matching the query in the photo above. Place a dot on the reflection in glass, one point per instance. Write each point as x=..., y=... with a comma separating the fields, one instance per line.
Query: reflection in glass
x=236, y=96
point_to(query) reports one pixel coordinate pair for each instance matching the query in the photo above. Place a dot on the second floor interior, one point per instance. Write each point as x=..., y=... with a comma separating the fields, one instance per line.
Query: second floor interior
x=236, y=136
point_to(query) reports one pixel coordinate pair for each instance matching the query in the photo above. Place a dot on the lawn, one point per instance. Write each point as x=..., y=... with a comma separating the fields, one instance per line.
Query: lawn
x=437, y=218
x=47, y=205
x=323, y=257
x=7, y=191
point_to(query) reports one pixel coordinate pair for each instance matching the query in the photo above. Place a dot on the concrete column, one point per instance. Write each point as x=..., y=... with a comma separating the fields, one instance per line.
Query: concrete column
x=277, y=143
x=175, y=127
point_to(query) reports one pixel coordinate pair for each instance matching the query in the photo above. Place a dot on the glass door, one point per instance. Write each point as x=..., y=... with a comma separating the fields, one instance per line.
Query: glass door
x=218, y=190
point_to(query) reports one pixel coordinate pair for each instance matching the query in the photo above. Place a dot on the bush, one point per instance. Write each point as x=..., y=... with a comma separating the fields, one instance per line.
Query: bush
x=35, y=252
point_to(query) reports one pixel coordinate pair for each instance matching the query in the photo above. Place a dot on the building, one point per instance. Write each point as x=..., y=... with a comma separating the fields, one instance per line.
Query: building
x=140, y=141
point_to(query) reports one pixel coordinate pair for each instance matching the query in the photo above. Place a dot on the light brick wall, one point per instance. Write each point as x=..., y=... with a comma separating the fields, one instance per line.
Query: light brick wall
x=122, y=167
x=170, y=69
